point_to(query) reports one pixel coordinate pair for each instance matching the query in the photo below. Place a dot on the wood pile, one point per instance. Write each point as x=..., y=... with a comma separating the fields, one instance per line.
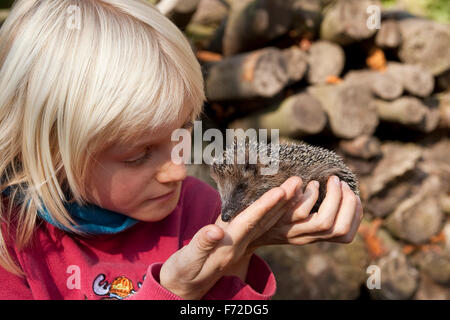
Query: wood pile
x=378, y=97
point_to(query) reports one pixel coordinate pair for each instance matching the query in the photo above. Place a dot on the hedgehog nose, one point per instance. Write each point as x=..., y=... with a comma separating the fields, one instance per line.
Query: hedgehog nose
x=226, y=216
x=227, y=213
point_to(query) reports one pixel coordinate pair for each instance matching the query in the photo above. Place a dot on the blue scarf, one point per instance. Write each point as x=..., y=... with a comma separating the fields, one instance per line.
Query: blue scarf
x=89, y=218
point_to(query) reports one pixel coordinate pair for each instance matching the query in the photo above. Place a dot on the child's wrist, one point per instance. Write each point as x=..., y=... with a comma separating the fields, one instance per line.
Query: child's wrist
x=240, y=268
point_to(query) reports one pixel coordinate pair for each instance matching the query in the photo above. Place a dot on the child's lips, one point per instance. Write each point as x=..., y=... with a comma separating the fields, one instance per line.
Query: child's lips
x=163, y=197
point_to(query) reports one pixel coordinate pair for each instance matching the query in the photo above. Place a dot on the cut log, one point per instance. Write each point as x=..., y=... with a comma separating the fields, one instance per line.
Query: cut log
x=419, y=217
x=210, y=12
x=215, y=43
x=426, y=43
x=3, y=15
x=430, y=290
x=414, y=78
x=443, y=81
x=252, y=23
x=399, y=279
x=307, y=16
x=364, y=146
x=397, y=159
x=435, y=263
x=444, y=202
x=360, y=166
x=180, y=13
x=260, y=73
x=384, y=202
x=325, y=59
x=318, y=270
x=443, y=103
x=437, y=162
x=345, y=21
x=297, y=63
x=389, y=35
x=409, y=111
x=382, y=84
x=350, y=109
x=446, y=233
x=296, y=116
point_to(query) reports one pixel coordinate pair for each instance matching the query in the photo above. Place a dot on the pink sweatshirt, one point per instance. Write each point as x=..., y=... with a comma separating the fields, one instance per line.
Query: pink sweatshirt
x=126, y=265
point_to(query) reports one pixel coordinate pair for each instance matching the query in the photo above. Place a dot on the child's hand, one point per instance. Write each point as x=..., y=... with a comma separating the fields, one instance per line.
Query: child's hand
x=337, y=220
x=184, y=273
x=272, y=219
x=194, y=269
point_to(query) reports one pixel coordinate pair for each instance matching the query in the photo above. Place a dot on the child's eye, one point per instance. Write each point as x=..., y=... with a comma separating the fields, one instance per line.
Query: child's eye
x=134, y=163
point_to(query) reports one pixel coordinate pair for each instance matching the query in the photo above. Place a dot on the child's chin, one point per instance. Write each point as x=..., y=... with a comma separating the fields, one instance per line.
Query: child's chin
x=156, y=212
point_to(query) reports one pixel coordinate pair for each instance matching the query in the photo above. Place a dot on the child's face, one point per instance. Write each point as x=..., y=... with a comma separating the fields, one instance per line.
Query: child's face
x=129, y=188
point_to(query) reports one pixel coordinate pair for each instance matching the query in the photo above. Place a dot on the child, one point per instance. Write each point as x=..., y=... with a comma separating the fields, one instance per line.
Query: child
x=92, y=205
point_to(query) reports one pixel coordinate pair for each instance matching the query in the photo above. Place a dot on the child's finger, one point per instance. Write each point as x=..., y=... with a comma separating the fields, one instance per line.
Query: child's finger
x=346, y=213
x=324, y=219
x=205, y=240
x=303, y=206
x=346, y=238
x=264, y=212
x=344, y=217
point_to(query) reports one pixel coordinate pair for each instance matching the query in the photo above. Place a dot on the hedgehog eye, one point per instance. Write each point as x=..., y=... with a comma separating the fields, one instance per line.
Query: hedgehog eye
x=241, y=187
x=250, y=167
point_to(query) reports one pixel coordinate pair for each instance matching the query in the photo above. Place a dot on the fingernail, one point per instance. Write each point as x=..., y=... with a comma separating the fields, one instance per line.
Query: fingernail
x=213, y=235
x=316, y=184
x=345, y=184
x=308, y=193
x=336, y=180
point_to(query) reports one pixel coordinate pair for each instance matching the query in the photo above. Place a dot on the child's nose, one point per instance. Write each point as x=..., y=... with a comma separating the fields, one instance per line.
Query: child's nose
x=171, y=172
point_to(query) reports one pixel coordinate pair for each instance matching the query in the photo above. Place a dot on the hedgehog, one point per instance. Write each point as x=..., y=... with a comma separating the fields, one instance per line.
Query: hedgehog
x=240, y=181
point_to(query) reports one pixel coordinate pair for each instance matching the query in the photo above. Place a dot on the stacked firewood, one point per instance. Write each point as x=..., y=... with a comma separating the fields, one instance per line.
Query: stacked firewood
x=379, y=97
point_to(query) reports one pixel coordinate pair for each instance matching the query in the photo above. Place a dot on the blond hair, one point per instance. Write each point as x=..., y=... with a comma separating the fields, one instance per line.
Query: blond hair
x=68, y=90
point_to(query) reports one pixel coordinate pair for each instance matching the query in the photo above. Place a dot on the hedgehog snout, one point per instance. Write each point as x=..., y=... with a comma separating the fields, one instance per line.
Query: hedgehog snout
x=228, y=211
